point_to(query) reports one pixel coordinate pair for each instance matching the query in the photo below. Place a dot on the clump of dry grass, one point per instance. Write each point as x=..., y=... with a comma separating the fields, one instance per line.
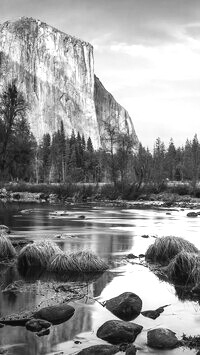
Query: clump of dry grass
x=7, y=251
x=80, y=262
x=37, y=254
x=184, y=269
x=166, y=248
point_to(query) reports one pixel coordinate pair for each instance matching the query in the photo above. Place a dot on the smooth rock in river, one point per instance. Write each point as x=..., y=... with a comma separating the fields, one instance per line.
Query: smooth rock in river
x=36, y=325
x=118, y=331
x=126, y=306
x=153, y=314
x=192, y=214
x=162, y=338
x=55, y=314
x=100, y=350
x=131, y=350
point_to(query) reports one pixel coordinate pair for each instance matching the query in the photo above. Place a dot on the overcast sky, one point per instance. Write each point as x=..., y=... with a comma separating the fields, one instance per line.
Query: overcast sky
x=147, y=54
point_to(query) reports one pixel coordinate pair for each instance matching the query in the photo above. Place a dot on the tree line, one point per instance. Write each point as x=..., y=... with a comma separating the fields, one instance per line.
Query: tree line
x=65, y=158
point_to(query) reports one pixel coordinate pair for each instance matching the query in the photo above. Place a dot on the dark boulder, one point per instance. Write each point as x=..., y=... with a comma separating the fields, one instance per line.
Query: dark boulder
x=117, y=331
x=36, y=325
x=100, y=350
x=192, y=214
x=153, y=314
x=55, y=314
x=131, y=350
x=126, y=306
x=15, y=321
x=16, y=196
x=131, y=256
x=162, y=338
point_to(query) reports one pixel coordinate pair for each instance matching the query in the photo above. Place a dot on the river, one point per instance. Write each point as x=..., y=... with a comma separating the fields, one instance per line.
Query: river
x=111, y=233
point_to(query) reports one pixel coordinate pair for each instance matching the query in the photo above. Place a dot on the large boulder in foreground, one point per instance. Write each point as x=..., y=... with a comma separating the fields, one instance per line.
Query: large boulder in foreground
x=126, y=306
x=55, y=314
x=162, y=338
x=100, y=350
x=118, y=331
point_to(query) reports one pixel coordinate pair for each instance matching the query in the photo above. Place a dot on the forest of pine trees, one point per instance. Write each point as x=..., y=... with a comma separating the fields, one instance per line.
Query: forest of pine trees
x=62, y=158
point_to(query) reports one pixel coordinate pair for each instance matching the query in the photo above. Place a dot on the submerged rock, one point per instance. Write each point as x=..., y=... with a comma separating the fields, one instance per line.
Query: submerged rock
x=126, y=306
x=153, y=314
x=99, y=350
x=131, y=256
x=36, y=325
x=15, y=321
x=192, y=214
x=43, y=332
x=162, y=338
x=131, y=350
x=117, y=331
x=55, y=314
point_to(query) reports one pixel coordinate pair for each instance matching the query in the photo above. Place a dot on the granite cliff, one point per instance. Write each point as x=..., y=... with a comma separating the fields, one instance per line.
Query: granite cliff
x=56, y=73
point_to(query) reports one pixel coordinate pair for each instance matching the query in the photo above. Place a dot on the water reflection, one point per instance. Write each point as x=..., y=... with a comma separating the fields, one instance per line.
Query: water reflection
x=111, y=234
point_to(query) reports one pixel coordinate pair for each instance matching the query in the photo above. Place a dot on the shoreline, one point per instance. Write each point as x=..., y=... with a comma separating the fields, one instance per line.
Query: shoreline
x=165, y=201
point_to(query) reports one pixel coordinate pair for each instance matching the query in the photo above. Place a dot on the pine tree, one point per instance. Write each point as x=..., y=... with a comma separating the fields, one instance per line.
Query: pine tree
x=13, y=107
x=45, y=154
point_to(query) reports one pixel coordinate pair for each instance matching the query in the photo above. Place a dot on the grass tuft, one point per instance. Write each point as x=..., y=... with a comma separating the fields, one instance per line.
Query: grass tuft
x=80, y=262
x=166, y=248
x=184, y=268
x=7, y=251
x=37, y=254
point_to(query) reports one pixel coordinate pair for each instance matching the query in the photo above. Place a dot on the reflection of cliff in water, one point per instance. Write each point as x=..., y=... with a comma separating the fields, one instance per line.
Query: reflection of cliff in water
x=101, y=283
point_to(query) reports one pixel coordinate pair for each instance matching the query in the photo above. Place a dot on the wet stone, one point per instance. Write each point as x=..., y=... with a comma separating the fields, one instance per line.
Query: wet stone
x=55, y=314
x=153, y=314
x=100, y=350
x=43, y=332
x=162, y=338
x=131, y=256
x=36, y=325
x=192, y=214
x=131, y=350
x=126, y=306
x=117, y=332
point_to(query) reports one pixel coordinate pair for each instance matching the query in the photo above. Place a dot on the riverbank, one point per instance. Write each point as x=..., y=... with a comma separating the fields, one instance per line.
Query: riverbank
x=102, y=193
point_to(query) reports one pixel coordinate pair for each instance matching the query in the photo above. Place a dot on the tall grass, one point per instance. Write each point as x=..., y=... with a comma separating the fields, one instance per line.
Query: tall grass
x=166, y=248
x=37, y=254
x=184, y=269
x=80, y=262
x=7, y=251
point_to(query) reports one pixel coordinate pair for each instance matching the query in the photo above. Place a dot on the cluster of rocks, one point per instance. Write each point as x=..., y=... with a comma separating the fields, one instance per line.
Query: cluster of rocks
x=122, y=333
x=41, y=320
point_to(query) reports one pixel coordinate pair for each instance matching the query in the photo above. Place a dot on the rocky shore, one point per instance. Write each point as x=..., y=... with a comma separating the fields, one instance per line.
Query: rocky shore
x=154, y=201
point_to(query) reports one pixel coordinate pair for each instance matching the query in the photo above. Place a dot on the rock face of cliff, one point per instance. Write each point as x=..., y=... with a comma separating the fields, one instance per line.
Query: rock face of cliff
x=56, y=73
x=108, y=110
